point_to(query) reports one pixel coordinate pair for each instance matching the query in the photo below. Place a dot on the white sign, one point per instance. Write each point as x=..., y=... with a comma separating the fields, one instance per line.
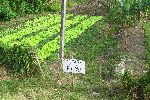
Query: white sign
x=74, y=66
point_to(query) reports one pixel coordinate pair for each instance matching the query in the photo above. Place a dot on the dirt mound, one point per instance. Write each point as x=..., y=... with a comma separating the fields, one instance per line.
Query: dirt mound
x=92, y=7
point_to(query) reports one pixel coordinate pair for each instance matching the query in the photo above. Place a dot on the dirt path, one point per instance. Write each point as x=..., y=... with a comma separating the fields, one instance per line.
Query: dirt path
x=92, y=7
x=135, y=56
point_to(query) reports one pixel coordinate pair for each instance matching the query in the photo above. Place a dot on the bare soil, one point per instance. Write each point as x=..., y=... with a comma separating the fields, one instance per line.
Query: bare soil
x=92, y=7
x=135, y=60
x=4, y=73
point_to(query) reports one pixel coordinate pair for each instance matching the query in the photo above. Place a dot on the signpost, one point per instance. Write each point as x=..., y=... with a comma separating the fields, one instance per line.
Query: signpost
x=62, y=29
x=69, y=65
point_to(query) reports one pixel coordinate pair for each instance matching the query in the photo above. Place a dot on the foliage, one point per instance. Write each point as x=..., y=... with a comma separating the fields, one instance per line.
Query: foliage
x=136, y=88
x=146, y=79
x=5, y=10
x=20, y=59
x=54, y=7
x=147, y=28
x=11, y=8
x=125, y=13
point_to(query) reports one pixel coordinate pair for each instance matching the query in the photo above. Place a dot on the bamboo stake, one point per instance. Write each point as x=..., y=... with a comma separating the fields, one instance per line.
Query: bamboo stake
x=62, y=30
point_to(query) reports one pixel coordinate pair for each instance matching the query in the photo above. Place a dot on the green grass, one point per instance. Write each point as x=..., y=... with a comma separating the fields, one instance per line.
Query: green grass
x=147, y=27
x=84, y=40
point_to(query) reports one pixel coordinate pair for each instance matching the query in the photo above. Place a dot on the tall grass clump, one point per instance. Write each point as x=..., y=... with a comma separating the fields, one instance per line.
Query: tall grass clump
x=20, y=59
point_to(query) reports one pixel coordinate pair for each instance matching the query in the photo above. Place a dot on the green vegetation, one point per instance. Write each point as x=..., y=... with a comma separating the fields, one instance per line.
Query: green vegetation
x=125, y=13
x=29, y=52
x=147, y=28
x=20, y=59
x=37, y=40
x=11, y=8
x=55, y=84
x=39, y=32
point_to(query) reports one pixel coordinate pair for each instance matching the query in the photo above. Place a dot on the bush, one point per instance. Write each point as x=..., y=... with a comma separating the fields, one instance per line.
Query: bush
x=39, y=6
x=125, y=13
x=12, y=8
x=54, y=7
x=136, y=88
x=20, y=59
x=147, y=91
x=5, y=11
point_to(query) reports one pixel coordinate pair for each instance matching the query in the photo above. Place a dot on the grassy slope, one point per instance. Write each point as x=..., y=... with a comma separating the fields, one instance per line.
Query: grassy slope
x=55, y=84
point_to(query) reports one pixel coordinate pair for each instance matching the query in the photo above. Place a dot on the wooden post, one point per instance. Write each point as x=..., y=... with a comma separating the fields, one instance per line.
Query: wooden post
x=62, y=30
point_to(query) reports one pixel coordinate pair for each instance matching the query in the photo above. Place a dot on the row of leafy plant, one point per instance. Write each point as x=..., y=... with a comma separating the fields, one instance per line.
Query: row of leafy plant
x=40, y=36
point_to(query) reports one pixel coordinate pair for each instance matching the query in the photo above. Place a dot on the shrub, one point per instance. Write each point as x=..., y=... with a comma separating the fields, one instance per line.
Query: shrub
x=136, y=88
x=5, y=11
x=125, y=13
x=147, y=91
x=12, y=8
x=54, y=7
x=20, y=59
x=22, y=8
x=39, y=6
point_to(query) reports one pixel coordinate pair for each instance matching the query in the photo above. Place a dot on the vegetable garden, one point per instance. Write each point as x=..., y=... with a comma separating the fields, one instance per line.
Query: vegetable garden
x=113, y=40
x=43, y=32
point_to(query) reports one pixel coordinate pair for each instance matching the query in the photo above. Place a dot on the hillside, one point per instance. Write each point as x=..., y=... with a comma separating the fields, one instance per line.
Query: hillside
x=117, y=57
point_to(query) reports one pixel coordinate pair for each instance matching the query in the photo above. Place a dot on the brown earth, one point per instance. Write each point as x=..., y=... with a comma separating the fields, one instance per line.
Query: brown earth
x=92, y=7
x=4, y=73
x=135, y=60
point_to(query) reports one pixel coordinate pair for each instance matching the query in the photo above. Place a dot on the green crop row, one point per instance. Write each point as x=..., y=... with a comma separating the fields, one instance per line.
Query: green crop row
x=50, y=19
x=38, y=39
x=43, y=32
x=32, y=27
x=71, y=34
